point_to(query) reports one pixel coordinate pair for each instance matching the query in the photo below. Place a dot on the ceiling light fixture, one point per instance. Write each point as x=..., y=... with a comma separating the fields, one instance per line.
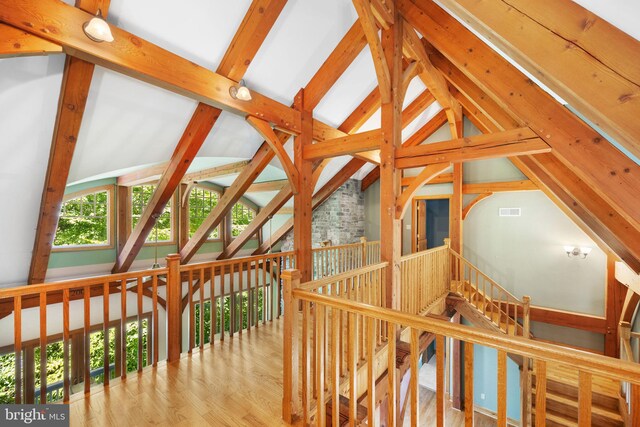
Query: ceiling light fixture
x=97, y=29
x=575, y=251
x=240, y=91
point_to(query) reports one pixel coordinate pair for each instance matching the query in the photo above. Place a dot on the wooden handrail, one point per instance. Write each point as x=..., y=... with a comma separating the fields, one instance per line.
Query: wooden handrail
x=237, y=260
x=594, y=364
x=421, y=253
x=315, y=284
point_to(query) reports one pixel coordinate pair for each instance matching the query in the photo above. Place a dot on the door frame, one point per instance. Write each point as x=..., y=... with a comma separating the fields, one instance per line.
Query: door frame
x=414, y=214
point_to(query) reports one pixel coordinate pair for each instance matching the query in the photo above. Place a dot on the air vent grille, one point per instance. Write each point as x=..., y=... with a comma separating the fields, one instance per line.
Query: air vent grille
x=509, y=212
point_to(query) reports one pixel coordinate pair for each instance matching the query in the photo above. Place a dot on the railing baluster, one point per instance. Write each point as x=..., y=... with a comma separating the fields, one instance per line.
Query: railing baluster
x=232, y=300
x=541, y=393
x=213, y=304
x=306, y=365
x=320, y=366
x=123, y=328
x=43, y=347
x=353, y=370
x=468, y=384
x=335, y=366
x=241, y=312
x=371, y=377
x=139, y=295
x=502, y=388
x=584, y=399
x=156, y=322
x=17, y=345
x=105, y=332
x=221, y=270
x=392, y=410
x=66, y=376
x=440, y=374
x=87, y=342
x=414, y=386
x=201, y=308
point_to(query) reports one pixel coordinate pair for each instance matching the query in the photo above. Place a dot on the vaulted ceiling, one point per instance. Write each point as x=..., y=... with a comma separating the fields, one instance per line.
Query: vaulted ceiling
x=131, y=123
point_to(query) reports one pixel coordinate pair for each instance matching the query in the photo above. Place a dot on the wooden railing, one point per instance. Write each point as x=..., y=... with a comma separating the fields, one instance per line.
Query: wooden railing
x=248, y=289
x=494, y=301
x=630, y=392
x=315, y=377
x=424, y=279
x=63, y=309
x=332, y=260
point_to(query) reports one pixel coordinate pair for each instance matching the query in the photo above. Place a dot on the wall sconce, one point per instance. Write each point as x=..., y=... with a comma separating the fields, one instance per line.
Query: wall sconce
x=240, y=91
x=575, y=251
x=97, y=29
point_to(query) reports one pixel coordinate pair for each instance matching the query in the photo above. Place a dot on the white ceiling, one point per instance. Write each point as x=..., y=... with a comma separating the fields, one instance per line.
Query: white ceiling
x=128, y=123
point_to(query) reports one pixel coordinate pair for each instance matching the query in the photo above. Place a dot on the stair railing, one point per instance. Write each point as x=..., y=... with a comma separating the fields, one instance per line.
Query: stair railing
x=629, y=392
x=331, y=260
x=424, y=279
x=316, y=383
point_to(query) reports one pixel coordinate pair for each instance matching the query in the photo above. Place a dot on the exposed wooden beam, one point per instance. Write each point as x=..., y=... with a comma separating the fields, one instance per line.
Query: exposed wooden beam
x=577, y=54
x=192, y=139
x=427, y=174
x=135, y=57
x=569, y=319
x=372, y=156
x=259, y=187
x=417, y=107
x=615, y=294
x=473, y=148
x=350, y=144
x=338, y=61
x=142, y=176
x=263, y=216
x=416, y=139
x=475, y=201
x=76, y=81
x=249, y=36
x=265, y=130
x=363, y=112
x=15, y=42
x=215, y=172
x=497, y=187
x=443, y=178
x=368, y=22
x=607, y=170
x=232, y=194
x=383, y=12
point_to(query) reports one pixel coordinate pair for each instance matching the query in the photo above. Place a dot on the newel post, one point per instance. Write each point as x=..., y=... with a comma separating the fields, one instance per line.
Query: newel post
x=174, y=308
x=363, y=242
x=290, y=398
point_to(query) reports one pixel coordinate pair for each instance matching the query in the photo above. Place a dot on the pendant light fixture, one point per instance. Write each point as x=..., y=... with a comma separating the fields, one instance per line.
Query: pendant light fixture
x=97, y=29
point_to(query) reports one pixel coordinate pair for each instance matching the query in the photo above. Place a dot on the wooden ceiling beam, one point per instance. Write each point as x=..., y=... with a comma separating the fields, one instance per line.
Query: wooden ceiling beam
x=142, y=176
x=15, y=42
x=260, y=187
x=589, y=155
x=455, y=153
x=443, y=178
x=265, y=130
x=423, y=178
x=192, y=139
x=350, y=144
x=368, y=22
x=475, y=201
x=372, y=156
x=215, y=172
x=138, y=58
x=363, y=112
x=499, y=187
x=578, y=55
x=76, y=81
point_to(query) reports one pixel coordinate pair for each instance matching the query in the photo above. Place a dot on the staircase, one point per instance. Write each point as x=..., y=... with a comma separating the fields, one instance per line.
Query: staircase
x=562, y=398
x=487, y=305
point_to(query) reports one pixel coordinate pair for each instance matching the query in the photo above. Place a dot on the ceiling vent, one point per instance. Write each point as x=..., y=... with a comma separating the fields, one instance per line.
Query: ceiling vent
x=509, y=212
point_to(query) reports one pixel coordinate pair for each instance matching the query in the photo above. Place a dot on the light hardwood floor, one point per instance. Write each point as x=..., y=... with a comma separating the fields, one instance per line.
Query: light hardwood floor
x=237, y=382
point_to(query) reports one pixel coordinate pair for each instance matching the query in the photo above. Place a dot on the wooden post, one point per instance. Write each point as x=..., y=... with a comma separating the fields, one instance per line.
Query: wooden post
x=525, y=376
x=615, y=294
x=303, y=201
x=456, y=380
x=363, y=241
x=174, y=308
x=290, y=398
x=390, y=177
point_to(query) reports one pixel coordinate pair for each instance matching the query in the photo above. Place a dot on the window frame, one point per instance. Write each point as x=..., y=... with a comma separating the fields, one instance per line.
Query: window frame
x=220, y=226
x=173, y=220
x=109, y=188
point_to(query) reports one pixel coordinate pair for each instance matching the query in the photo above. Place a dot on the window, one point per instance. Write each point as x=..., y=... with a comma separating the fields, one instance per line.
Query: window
x=140, y=197
x=241, y=216
x=201, y=203
x=84, y=221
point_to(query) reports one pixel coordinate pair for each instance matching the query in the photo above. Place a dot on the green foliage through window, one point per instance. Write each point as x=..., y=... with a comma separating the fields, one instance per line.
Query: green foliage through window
x=140, y=197
x=84, y=221
x=241, y=216
x=201, y=203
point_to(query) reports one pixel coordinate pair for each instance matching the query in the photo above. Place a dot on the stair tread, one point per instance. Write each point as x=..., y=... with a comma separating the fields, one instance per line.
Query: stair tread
x=558, y=419
x=595, y=409
x=569, y=375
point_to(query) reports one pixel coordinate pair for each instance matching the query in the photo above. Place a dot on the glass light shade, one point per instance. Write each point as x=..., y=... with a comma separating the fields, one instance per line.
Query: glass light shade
x=243, y=94
x=568, y=249
x=585, y=250
x=98, y=30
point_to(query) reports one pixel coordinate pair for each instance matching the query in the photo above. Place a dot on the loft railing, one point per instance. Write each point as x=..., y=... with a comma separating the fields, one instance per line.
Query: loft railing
x=424, y=279
x=332, y=260
x=629, y=391
x=318, y=377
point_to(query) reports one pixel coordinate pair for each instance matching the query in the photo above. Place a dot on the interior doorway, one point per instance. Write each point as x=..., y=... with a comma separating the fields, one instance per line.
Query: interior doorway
x=430, y=222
